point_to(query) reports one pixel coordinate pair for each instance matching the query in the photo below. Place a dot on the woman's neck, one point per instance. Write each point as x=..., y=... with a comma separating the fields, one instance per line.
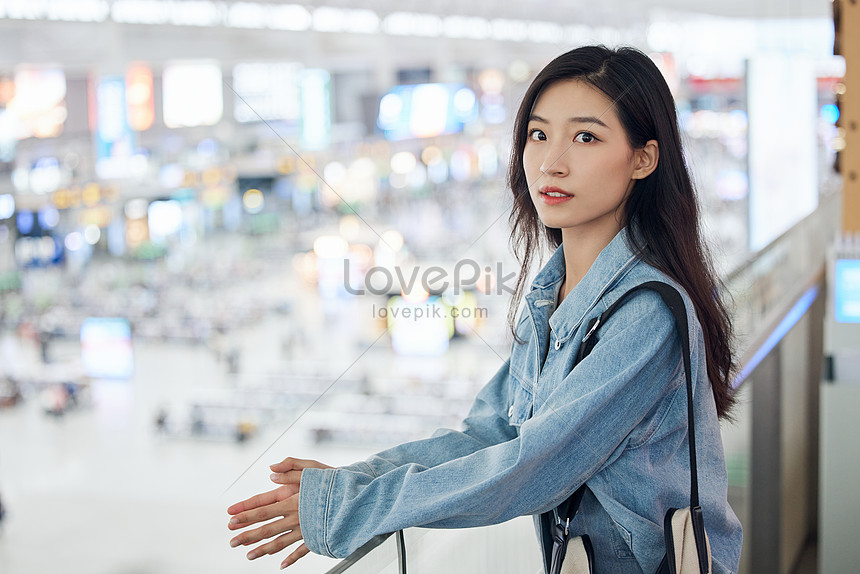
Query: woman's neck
x=580, y=251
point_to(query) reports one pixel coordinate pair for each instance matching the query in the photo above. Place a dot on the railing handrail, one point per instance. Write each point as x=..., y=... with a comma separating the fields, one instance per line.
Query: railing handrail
x=360, y=553
x=807, y=233
x=751, y=259
x=368, y=547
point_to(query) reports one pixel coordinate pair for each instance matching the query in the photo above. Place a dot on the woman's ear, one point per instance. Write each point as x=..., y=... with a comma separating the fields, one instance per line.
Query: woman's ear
x=646, y=160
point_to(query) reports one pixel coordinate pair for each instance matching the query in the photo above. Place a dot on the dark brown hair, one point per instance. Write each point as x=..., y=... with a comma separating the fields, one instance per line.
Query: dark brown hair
x=661, y=212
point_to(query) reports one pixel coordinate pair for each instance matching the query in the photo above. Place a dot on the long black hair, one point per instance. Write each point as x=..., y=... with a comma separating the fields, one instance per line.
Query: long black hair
x=661, y=212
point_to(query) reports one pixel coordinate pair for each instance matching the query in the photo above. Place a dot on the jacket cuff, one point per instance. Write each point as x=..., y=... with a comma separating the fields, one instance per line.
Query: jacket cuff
x=314, y=492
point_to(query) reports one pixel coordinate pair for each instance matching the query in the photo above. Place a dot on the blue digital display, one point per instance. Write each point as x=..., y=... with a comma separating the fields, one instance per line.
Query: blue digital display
x=426, y=110
x=847, y=291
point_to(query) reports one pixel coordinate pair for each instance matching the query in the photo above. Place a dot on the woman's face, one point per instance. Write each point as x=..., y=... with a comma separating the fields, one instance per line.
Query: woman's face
x=577, y=148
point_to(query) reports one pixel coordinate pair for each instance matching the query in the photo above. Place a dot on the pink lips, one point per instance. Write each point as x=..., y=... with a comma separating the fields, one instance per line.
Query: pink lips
x=551, y=200
x=553, y=189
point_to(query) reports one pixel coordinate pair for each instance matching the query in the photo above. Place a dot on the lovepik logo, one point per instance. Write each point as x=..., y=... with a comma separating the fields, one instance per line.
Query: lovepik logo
x=466, y=275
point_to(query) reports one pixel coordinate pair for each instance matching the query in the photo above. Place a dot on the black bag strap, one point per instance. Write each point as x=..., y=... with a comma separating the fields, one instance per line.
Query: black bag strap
x=672, y=298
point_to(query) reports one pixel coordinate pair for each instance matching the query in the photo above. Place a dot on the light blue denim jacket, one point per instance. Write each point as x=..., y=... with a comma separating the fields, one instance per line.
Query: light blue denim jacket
x=536, y=432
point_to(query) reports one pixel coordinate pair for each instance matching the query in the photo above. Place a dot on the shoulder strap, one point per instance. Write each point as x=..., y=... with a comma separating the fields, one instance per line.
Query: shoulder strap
x=675, y=302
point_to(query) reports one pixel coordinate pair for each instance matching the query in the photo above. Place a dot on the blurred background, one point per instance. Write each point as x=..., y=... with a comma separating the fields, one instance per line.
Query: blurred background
x=204, y=207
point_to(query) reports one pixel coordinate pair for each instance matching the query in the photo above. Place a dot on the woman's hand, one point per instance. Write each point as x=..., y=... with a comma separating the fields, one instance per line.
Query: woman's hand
x=281, y=502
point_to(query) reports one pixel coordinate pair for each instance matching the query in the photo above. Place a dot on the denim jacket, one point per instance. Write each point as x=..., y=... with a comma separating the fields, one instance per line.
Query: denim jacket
x=539, y=429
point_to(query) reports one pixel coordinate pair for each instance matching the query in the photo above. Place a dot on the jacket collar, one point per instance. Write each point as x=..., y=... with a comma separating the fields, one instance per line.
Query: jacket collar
x=613, y=262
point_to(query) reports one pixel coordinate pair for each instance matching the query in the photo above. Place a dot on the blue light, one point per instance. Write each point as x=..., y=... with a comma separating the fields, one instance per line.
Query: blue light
x=25, y=222
x=739, y=117
x=846, y=287
x=49, y=217
x=7, y=205
x=207, y=147
x=829, y=113
x=790, y=319
x=46, y=163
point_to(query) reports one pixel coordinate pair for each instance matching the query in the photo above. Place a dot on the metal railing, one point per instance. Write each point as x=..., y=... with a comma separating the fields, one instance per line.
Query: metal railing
x=371, y=545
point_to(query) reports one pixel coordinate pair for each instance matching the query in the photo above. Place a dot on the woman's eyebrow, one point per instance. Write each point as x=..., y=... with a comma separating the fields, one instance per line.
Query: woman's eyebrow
x=591, y=120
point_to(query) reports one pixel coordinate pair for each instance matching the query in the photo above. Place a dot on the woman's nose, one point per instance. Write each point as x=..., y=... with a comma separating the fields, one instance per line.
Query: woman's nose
x=556, y=162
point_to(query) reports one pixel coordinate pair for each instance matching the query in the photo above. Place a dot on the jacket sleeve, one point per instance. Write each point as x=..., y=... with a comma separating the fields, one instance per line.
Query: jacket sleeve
x=580, y=423
x=485, y=425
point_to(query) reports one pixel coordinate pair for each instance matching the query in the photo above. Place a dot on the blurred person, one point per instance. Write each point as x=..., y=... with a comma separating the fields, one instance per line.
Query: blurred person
x=2, y=514
x=198, y=423
x=161, y=420
x=233, y=357
x=44, y=339
x=72, y=394
x=54, y=399
x=245, y=429
x=597, y=172
x=10, y=392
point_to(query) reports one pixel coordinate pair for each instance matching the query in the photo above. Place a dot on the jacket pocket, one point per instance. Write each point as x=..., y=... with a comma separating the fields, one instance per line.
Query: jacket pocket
x=622, y=540
x=520, y=408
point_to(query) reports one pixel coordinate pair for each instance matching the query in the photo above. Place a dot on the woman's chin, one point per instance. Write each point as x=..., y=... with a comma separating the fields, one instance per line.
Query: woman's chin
x=557, y=222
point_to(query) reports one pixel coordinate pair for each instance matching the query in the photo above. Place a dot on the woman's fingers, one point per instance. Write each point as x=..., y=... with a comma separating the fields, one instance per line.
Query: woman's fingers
x=293, y=558
x=284, y=508
x=287, y=464
x=256, y=501
x=282, y=501
x=292, y=477
x=291, y=463
x=256, y=515
x=275, y=545
x=265, y=531
x=289, y=470
x=265, y=499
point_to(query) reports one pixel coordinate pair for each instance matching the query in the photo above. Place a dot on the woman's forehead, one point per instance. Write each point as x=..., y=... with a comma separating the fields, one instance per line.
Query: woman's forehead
x=573, y=98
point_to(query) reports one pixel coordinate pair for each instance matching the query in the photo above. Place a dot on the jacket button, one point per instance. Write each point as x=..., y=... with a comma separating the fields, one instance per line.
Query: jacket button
x=511, y=411
x=557, y=344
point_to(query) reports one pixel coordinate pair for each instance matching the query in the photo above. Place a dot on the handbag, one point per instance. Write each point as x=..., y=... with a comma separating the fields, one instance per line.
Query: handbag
x=688, y=550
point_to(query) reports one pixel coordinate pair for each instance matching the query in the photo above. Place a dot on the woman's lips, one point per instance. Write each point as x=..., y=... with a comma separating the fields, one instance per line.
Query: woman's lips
x=554, y=199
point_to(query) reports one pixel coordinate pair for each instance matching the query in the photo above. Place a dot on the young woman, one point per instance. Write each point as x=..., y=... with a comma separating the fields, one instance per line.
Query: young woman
x=597, y=172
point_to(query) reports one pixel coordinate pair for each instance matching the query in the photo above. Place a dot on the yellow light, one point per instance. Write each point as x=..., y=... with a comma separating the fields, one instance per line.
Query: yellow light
x=286, y=165
x=211, y=176
x=91, y=195
x=431, y=155
x=253, y=201
x=140, y=105
x=491, y=81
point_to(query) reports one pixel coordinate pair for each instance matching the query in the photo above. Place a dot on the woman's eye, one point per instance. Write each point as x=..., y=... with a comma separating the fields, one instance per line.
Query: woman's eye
x=537, y=135
x=584, y=137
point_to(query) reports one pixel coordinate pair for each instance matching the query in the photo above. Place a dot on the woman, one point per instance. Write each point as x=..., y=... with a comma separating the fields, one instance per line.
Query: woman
x=597, y=171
